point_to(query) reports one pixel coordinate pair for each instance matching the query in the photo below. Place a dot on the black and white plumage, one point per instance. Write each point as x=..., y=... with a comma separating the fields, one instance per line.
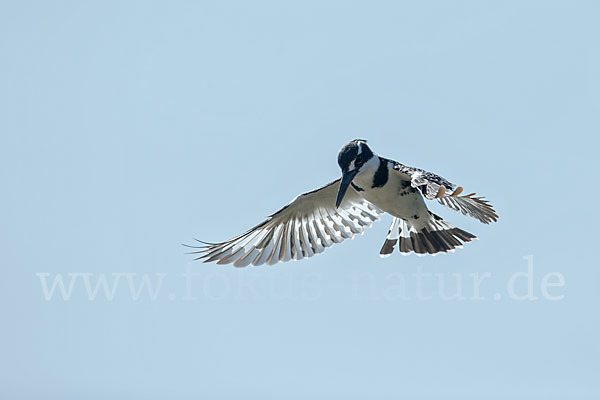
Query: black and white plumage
x=370, y=185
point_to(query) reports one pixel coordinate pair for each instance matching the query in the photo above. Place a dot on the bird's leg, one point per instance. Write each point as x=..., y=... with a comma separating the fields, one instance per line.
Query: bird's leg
x=441, y=192
x=457, y=191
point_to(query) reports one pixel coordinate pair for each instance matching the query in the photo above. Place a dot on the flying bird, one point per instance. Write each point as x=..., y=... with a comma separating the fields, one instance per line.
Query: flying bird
x=370, y=186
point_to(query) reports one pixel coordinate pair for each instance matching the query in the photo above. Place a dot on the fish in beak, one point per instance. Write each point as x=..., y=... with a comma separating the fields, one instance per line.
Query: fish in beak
x=345, y=182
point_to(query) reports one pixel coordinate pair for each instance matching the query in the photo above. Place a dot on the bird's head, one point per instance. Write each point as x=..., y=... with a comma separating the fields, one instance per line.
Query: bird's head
x=352, y=159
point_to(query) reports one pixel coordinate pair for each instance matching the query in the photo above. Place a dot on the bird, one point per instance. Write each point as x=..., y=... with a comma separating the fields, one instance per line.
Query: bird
x=369, y=187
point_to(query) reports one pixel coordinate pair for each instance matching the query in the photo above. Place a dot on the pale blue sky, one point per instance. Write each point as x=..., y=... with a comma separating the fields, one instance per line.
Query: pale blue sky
x=128, y=128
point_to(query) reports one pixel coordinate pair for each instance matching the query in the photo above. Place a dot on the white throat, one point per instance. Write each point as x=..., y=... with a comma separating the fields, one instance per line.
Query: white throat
x=366, y=174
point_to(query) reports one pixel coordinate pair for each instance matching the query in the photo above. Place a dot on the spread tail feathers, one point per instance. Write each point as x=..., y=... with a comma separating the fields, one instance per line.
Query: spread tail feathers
x=437, y=236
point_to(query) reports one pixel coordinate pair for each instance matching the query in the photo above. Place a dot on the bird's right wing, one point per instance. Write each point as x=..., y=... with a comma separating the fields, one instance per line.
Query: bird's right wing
x=435, y=187
x=303, y=228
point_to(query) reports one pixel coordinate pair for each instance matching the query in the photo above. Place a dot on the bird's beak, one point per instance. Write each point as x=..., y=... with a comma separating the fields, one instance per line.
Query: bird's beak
x=346, y=179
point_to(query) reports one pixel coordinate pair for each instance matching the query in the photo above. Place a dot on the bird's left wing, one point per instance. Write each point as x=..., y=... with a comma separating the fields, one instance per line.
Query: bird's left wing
x=303, y=228
x=448, y=194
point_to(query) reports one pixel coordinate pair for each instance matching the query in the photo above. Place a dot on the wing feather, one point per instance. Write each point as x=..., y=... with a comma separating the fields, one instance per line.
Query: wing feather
x=476, y=207
x=305, y=227
x=435, y=187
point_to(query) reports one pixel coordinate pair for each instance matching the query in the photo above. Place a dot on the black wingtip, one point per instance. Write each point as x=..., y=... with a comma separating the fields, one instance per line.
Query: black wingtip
x=206, y=243
x=192, y=247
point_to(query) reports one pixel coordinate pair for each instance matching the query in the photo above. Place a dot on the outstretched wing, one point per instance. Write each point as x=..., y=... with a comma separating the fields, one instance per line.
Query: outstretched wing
x=303, y=228
x=435, y=187
x=475, y=206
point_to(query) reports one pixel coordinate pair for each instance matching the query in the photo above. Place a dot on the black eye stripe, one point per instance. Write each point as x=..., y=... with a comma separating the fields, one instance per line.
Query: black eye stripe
x=348, y=155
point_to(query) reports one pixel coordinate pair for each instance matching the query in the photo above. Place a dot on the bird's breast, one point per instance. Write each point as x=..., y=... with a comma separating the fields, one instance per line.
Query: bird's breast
x=396, y=197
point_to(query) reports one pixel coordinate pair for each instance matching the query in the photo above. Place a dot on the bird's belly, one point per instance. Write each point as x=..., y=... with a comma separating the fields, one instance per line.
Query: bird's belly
x=397, y=198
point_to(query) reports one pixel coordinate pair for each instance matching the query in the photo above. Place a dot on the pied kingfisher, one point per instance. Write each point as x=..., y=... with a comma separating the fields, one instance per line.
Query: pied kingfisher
x=370, y=185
